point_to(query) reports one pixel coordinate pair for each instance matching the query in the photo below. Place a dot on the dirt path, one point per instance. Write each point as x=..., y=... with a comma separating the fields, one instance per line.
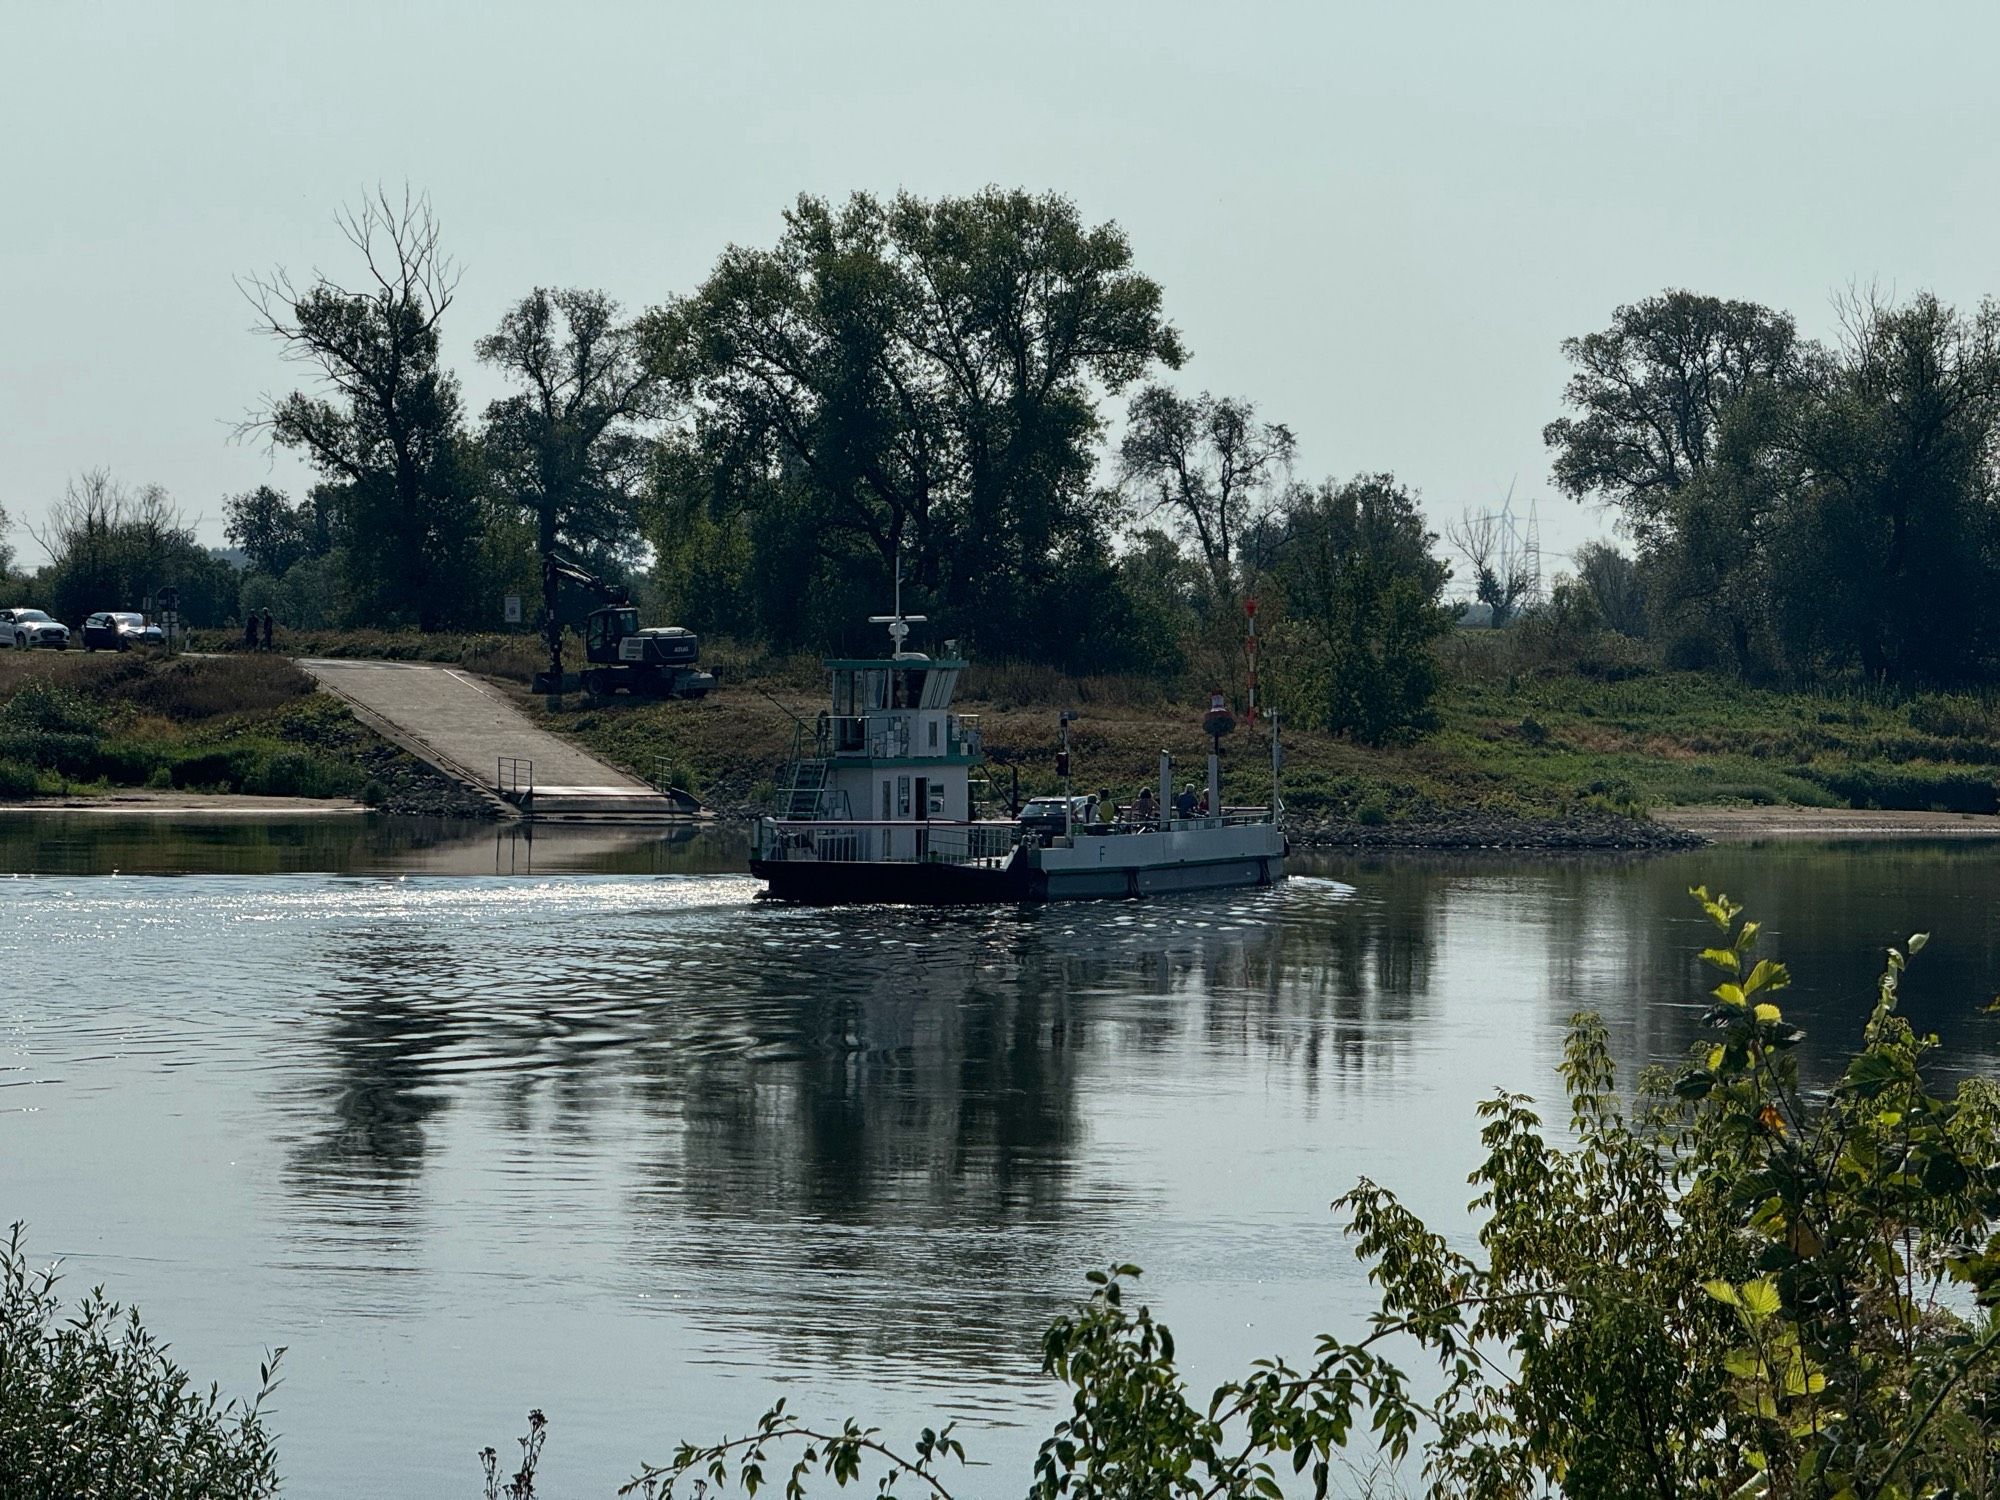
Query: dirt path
x=465, y=728
x=1735, y=825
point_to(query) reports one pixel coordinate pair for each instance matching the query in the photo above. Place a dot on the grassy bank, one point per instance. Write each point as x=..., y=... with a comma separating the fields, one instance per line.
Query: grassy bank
x=1535, y=747
x=1531, y=743
x=74, y=724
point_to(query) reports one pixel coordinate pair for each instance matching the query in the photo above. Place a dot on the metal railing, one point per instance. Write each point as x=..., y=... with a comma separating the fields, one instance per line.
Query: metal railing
x=875, y=842
x=514, y=777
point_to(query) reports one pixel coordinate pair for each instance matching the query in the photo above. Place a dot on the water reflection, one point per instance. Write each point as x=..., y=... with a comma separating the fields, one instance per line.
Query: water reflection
x=636, y=1138
x=197, y=843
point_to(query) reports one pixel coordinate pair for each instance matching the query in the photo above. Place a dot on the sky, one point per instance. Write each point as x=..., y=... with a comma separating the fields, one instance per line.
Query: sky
x=1376, y=222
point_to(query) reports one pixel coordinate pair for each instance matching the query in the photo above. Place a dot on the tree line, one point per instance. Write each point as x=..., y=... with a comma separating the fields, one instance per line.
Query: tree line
x=978, y=390
x=1799, y=511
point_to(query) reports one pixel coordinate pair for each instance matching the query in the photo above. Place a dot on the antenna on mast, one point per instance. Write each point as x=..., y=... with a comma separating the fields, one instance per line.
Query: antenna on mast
x=898, y=623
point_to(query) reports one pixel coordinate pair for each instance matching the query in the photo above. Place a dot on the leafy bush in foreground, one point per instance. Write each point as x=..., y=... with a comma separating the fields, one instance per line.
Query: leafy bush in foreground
x=91, y=1408
x=1735, y=1289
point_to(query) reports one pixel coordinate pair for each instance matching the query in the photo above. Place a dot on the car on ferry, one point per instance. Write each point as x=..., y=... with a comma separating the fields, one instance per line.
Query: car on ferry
x=26, y=629
x=120, y=630
x=1044, y=815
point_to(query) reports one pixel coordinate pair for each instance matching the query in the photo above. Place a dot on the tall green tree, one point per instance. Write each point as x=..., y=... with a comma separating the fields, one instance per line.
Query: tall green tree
x=569, y=447
x=385, y=421
x=1650, y=393
x=1205, y=469
x=1615, y=587
x=918, y=380
x=1675, y=405
x=1363, y=583
x=1890, y=547
x=275, y=534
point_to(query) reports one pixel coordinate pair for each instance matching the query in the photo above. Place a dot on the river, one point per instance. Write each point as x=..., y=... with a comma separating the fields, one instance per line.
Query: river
x=473, y=1122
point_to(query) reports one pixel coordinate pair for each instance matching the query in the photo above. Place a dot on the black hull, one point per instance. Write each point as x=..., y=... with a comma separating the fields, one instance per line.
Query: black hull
x=828, y=882
x=832, y=882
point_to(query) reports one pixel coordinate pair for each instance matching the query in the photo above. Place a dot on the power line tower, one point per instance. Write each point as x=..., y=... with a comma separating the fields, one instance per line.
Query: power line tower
x=1520, y=547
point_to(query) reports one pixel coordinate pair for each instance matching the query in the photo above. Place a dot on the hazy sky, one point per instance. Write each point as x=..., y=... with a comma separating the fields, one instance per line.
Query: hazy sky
x=1376, y=222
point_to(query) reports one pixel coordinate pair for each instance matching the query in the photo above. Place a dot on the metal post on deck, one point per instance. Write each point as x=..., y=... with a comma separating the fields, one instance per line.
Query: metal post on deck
x=1166, y=787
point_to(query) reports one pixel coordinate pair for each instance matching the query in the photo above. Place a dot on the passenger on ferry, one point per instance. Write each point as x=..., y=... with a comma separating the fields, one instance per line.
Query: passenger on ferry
x=1201, y=807
x=1184, y=803
x=1144, y=810
x=1106, y=811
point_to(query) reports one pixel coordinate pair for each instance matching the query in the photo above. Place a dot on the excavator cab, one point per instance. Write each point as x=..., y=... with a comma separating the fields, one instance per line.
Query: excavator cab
x=605, y=629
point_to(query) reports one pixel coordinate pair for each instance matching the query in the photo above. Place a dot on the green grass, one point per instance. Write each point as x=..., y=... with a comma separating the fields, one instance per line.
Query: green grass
x=1537, y=745
x=74, y=724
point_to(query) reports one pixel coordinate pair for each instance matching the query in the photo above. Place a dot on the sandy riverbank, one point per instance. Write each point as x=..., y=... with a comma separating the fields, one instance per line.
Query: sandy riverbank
x=191, y=804
x=1734, y=825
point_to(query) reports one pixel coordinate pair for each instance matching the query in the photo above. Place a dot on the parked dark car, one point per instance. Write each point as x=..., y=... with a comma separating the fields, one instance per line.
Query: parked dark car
x=119, y=630
x=1044, y=815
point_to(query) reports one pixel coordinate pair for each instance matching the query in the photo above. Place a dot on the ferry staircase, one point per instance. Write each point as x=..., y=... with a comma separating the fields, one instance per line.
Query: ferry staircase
x=802, y=795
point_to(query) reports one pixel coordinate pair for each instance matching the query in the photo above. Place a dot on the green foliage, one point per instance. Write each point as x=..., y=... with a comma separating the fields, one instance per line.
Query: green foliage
x=1362, y=588
x=91, y=1408
x=385, y=428
x=273, y=533
x=911, y=377
x=114, y=548
x=1615, y=587
x=1798, y=509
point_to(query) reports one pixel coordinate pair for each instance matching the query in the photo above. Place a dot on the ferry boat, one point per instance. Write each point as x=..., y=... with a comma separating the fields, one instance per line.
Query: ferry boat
x=878, y=806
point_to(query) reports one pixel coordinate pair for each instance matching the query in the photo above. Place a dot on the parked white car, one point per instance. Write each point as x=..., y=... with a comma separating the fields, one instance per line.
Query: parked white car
x=25, y=629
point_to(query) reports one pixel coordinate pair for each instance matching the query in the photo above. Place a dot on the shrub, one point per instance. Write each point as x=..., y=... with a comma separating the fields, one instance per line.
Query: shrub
x=91, y=1408
x=17, y=779
x=1909, y=788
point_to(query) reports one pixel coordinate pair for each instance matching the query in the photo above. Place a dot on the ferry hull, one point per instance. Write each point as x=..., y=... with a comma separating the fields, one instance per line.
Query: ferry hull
x=849, y=882
x=833, y=882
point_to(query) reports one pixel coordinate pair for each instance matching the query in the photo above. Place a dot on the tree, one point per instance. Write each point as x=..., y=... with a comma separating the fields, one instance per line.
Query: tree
x=1206, y=465
x=1890, y=539
x=273, y=533
x=916, y=380
x=569, y=449
x=1478, y=539
x=1361, y=580
x=1651, y=391
x=1615, y=587
x=114, y=548
x=386, y=426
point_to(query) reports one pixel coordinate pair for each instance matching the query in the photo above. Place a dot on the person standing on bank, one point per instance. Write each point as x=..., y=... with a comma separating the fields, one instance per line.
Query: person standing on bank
x=250, y=631
x=267, y=629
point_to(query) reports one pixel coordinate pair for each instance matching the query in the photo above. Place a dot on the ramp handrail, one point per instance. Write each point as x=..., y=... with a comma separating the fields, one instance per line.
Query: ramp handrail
x=514, y=777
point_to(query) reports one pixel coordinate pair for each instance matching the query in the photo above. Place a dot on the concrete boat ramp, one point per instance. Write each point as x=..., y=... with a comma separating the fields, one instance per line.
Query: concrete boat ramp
x=471, y=732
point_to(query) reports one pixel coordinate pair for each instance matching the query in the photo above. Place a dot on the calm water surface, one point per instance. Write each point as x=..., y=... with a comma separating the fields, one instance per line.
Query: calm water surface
x=474, y=1122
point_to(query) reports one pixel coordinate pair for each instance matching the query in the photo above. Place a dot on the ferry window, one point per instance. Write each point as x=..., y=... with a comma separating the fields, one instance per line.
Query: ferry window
x=874, y=690
x=902, y=796
x=937, y=688
x=933, y=734
x=909, y=689
x=843, y=692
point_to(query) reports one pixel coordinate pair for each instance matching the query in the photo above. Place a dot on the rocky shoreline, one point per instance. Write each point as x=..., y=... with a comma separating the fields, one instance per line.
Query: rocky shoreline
x=1473, y=829
x=401, y=784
